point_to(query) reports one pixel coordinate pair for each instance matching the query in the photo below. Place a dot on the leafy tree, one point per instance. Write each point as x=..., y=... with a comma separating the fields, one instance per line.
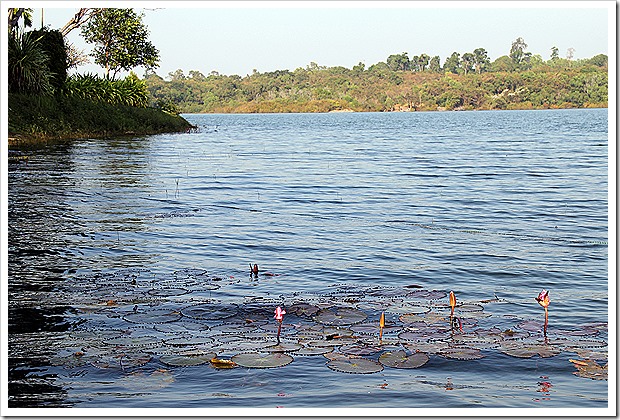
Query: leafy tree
x=434, y=65
x=481, y=60
x=599, y=60
x=398, y=62
x=121, y=41
x=520, y=58
x=554, y=53
x=467, y=62
x=453, y=63
x=176, y=75
x=359, y=68
x=423, y=61
x=15, y=14
x=196, y=75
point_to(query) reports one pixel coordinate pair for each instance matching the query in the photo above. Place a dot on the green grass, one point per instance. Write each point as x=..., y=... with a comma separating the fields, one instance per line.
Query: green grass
x=36, y=118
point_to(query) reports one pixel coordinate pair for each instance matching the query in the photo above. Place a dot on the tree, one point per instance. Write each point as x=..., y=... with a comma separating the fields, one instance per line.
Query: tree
x=520, y=58
x=452, y=63
x=434, y=65
x=398, y=62
x=121, y=41
x=503, y=63
x=481, y=60
x=80, y=18
x=423, y=61
x=599, y=60
x=554, y=53
x=15, y=14
x=176, y=75
x=359, y=68
x=467, y=62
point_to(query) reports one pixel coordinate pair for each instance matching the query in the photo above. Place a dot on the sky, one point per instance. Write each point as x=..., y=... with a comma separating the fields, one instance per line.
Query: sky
x=236, y=37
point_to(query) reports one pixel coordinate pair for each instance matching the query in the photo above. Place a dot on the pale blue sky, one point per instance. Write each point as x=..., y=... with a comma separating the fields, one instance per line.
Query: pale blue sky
x=237, y=37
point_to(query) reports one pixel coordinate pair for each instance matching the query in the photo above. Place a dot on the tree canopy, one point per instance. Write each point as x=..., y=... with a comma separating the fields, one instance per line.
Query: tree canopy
x=121, y=41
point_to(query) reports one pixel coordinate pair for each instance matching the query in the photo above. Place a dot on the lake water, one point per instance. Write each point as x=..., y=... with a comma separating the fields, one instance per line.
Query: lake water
x=129, y=263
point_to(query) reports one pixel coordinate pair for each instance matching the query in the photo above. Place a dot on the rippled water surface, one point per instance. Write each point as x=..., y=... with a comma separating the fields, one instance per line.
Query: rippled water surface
x=125, y=254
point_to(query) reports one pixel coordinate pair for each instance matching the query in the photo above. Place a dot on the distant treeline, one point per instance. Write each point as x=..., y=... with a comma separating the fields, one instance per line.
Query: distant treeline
x=471, y=81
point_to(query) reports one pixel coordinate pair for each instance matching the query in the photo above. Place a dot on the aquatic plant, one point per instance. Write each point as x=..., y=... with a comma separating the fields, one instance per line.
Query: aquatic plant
x=543, y=300
x=279, y=316
x=182, y=325
x=452, y=303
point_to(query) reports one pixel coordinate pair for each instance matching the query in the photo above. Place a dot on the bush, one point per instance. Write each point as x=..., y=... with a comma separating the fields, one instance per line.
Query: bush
x=130, y=91
x=28, y=69
x=53, y=44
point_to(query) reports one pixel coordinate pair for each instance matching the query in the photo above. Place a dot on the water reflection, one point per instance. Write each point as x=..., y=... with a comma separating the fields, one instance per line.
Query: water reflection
x=64, y=217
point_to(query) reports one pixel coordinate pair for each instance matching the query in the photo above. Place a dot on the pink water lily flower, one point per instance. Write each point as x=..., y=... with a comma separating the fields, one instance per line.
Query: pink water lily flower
x=543, y=298
x=279, y=314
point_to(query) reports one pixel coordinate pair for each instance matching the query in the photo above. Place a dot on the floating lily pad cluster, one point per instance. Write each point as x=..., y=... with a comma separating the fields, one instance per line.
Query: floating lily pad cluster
x=130, y=318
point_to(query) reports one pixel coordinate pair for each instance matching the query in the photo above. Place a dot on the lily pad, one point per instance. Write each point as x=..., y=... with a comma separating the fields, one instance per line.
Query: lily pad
x=353, y=364
x=331, y=342
x=530, y=325
x=340, y=316
x=302, y=309
x=262, y=360
x=399, y=359
x=461, y=353
x=188, y=341
x=527, y=350
x=313, y=351
x=129, y=341
x=428, y=318
x=168, y=291
x=283, y=347
x=391, y=292
x=359, y=349
x=374, y=328
x=155, y=316
x=209, y=311
x=182, y=328
x=427, y=294
x=186, y=359
x=425, y=335
x=406, y=308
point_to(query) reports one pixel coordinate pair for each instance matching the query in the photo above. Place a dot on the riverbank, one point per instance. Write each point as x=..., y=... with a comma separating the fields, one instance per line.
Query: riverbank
x=35, y=119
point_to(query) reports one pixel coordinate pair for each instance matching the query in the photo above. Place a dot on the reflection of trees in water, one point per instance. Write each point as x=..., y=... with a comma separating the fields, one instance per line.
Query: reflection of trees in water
x=64, y=215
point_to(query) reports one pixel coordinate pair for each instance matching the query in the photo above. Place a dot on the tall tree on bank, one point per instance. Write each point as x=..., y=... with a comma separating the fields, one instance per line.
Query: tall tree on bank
x=520, y=58
x=481, y=60
x=121, y=41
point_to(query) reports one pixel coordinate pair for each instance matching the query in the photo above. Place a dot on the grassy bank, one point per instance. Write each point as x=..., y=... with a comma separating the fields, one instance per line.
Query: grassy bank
x=34, y=118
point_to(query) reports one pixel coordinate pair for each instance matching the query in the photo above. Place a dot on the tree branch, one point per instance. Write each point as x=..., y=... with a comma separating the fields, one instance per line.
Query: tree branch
x=80, y=18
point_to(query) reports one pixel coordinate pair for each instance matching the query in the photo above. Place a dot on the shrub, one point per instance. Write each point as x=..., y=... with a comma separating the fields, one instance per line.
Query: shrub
x=28, y=69
x=53, y=44
x=130, y=91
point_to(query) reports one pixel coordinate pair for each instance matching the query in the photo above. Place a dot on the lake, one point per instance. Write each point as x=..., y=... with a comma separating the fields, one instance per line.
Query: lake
x=129, y=264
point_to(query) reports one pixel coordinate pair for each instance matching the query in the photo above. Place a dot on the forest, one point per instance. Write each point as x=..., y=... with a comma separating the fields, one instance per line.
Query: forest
x=465, y=82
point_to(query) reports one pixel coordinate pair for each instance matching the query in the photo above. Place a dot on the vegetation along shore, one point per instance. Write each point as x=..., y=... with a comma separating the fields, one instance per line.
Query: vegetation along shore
x=46, y=103
x=393, y=85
